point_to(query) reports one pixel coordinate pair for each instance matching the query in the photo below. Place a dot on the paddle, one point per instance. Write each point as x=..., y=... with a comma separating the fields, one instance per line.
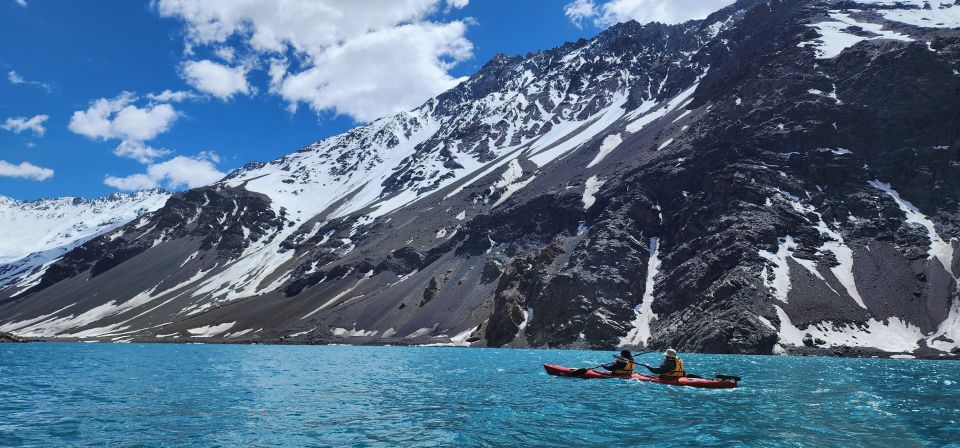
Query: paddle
x=581, y=372
x=733, y=378
x=718, y=376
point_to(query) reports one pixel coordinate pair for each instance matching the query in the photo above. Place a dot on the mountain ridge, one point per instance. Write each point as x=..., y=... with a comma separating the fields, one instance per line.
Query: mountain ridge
x=727, y=185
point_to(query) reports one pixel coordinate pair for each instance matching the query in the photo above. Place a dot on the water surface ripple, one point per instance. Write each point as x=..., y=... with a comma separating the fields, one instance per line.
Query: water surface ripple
x=59, y=394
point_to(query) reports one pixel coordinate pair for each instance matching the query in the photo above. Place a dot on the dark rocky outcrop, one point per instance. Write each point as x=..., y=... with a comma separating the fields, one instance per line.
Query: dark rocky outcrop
x=7, y=337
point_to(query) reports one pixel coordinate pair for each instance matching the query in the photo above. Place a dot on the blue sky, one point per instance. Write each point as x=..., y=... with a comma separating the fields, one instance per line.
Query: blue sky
x=82, y=107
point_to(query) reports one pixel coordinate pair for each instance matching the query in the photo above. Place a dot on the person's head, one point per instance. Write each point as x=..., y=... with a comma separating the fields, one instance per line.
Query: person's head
x=626, y=354
x=670, y=353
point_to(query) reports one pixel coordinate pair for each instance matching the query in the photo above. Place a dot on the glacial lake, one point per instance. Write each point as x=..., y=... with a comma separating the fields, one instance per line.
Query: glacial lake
x=73, y=394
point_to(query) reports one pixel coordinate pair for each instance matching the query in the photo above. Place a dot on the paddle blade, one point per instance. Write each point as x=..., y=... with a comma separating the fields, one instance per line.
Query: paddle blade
x=728, y=377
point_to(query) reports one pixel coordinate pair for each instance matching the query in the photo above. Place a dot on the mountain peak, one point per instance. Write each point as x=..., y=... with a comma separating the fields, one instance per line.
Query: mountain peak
x=781, y=177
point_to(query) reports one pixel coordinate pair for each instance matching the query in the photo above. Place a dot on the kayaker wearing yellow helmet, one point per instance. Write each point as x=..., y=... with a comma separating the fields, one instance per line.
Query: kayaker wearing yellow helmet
x=672, y=366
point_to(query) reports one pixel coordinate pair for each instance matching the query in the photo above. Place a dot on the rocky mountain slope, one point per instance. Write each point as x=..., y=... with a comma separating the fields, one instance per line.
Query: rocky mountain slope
x=779, y=177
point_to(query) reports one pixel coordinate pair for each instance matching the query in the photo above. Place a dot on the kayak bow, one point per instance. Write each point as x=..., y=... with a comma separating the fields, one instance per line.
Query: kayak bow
x=685, y=381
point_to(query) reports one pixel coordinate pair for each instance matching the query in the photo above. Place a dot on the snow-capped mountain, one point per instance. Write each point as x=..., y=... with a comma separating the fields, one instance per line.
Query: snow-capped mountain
x=36, y=233
x=779, y=177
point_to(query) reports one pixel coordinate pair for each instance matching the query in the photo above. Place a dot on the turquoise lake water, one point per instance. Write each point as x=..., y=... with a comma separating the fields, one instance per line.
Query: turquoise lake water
x=60, y=394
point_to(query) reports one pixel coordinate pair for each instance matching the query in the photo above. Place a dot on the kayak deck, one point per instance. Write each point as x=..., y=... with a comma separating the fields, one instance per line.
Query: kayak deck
x=689, y=382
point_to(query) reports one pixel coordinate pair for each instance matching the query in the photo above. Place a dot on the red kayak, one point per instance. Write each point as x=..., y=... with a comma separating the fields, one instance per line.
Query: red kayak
x=685, y=381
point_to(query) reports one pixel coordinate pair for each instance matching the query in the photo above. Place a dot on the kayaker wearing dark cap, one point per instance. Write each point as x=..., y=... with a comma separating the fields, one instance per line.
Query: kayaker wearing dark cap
x=672, y=366
x=622, y=365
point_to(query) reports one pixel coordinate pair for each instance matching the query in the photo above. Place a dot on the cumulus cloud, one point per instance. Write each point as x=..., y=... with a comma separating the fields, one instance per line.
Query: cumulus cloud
x=120, y=119
x=351, y=80
x=606, y=13
x=176, y=173
x=25, y=170
x=216, y=79
x=170, y=96
x=328, y=54
x=139, y=151
x=20, y=124
x=21, y=3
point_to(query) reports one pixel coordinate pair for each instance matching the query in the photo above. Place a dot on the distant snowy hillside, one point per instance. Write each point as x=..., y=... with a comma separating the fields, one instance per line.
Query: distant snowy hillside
x=35, y=233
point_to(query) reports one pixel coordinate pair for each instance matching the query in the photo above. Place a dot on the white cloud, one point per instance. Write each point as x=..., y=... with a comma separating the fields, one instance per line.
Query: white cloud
x=178, y=172
x=139, y=151
x=138, y=124
x=25, y=170
x=20, y=124
x=170, y=96
x=133, y=182
x=118, y=118
x=216, y=79
x=351, y=79
x=611, y=12
x=225, y=53
x=21, y=3
x=580, y=10
x=16, y=79
x=325, y=52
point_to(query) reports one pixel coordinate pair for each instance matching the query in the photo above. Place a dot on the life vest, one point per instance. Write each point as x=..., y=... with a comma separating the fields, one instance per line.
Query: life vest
x=677, y=371
x=626, y=370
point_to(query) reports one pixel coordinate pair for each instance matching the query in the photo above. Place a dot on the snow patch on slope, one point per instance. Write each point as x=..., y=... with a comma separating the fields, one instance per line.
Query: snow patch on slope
x=643, y=314
x=940, y=15
x=893, y=336
x=590, y=190
x=836, y=35
x=568, y=135
x=209, y=331
x=353, y=332
x=610, y=143
x=648, y=113
x=509, y=181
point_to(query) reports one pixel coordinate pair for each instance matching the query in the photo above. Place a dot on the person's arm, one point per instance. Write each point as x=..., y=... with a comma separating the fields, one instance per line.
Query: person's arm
x=656, y=370
x=616, y=364
x=665, y=367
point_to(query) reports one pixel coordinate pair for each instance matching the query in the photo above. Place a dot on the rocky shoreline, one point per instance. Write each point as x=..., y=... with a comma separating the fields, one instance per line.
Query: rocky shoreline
x=7, y=337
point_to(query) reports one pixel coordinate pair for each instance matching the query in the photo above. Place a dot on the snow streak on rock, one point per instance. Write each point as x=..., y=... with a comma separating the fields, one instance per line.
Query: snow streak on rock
x=640, y=332
x=939, y=249
x=590, y=190
x=778, y=279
